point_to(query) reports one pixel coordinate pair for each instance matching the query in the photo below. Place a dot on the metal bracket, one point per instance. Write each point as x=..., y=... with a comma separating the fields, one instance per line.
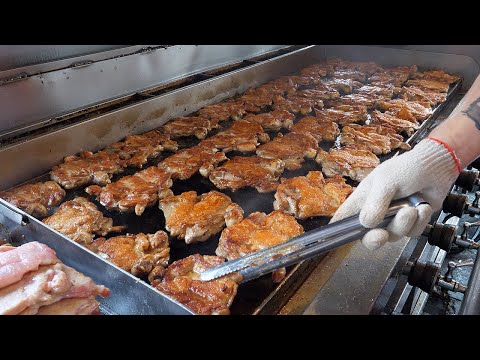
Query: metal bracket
x=9, y=213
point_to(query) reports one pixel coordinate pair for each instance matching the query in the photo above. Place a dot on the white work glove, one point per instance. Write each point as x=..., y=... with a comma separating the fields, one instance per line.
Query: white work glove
x=430, y=168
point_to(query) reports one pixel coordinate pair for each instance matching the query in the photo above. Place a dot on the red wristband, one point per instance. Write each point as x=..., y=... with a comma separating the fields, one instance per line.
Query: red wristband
x=459, y=169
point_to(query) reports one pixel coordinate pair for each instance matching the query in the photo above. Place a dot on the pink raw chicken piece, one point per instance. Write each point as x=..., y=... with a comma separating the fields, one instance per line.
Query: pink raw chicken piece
x=23, y=259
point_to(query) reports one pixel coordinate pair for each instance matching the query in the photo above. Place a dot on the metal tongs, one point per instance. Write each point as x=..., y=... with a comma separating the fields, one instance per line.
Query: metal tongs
x=305, y=246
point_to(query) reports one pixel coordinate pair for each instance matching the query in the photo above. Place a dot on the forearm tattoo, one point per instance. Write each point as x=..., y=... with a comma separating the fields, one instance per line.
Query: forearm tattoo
x=473, y=112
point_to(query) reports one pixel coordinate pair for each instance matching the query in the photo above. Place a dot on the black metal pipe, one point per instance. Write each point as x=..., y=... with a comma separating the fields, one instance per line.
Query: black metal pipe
x=471, y=300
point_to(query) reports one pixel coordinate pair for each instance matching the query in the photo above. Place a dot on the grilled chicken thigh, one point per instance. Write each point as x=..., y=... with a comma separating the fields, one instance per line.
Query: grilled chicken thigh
x=416, y=94
x=87, y=168
x=347, y=161
x=319, y=128
x=140, y=254
x=189, y=126
x=80, y=220
x=400, y=125
x=429, y=84
x=182, y=282
x=346, y=86
x=253, y=171
x=186, y=162
x=195, y=218
x=256, y=232
x=134, y=192
x=311, y=195
x=223, y=111
x=409, y=110
x=292, y=148
x=136, y=150
x=243, y=136
x=376, y=138
x=437, y=75
x=272, y=121
x=295, y=104
x=35, y=198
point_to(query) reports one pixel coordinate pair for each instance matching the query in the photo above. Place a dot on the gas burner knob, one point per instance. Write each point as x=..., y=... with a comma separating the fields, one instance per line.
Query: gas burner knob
x=455, y=204
x=441, y=235
x=468, y=180
x=423, y=275
x=445, y=235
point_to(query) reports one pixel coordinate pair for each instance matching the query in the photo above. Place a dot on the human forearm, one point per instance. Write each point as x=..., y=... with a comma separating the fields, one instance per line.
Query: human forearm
x=462, y=128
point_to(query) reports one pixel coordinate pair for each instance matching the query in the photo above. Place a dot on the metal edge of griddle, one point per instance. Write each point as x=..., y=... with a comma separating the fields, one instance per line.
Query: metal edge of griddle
x=146, y=300
x=316, y=306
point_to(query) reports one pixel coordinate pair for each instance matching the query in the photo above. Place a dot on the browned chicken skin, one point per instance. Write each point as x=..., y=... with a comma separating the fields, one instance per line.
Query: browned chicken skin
x=400, y=125
x=346, y=86
x=319, y=93
x=315, y=70
x=415, y=94
x=243, y=136
x=189, y=126
x=272, y=121
x=195, y=218
x=347, y=161
x=285, y=83
x=134, y=192
x=396, y=76
x=437, y=75
x=256, y=232
x=344, y=114
x=301, y=80
x=319, y=128
x=87, y=168
x=429, y=84
x=186, y=162
x=181, y=281
x=409, y=110
x=367, y=67
x=280, y=86
x=385, y=91
x=253, y=171
x=140, y=254
x=292, y=148
x=79, y=219
x=223, y=111
x=311, y=195
x=137, y=149
x=257, y=100
x=349, y=74
x=296, y=104
x=376, y=138
x=368, y=101
x=35, y=198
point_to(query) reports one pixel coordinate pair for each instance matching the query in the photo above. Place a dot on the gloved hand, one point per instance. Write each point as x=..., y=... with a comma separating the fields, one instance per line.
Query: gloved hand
x=430, y=168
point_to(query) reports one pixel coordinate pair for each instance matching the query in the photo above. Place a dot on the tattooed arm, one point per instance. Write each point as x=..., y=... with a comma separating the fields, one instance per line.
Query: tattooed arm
x=462, y=128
